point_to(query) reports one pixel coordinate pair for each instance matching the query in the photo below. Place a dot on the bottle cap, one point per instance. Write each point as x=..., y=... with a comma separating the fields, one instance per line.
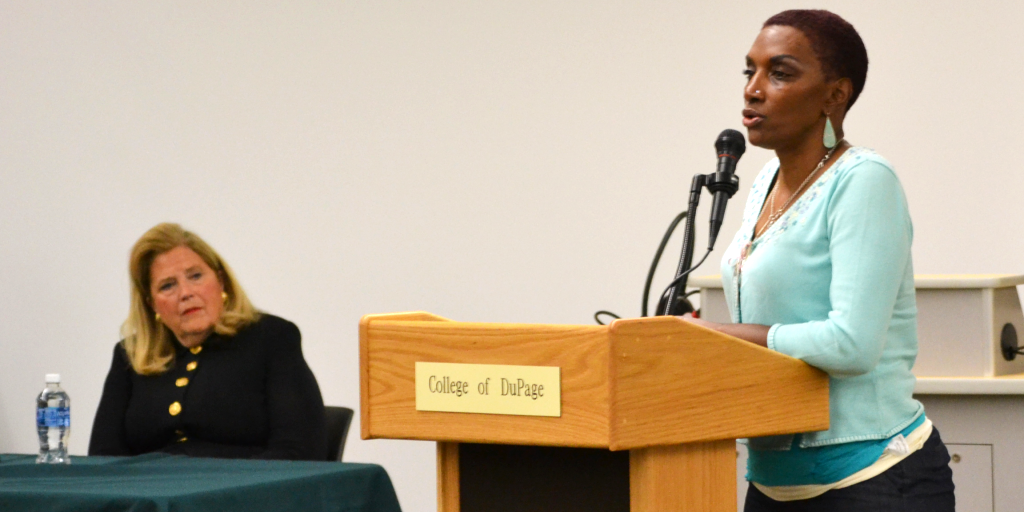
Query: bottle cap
x=53, y=378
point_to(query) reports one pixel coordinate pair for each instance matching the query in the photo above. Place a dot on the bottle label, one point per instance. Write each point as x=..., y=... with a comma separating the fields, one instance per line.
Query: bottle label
x=54, y=417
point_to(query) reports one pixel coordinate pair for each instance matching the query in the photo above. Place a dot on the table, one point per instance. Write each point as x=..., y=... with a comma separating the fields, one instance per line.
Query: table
x=162, y=483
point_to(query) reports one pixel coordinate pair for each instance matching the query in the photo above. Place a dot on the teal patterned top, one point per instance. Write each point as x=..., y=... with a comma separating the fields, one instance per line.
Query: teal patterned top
x=833, y=278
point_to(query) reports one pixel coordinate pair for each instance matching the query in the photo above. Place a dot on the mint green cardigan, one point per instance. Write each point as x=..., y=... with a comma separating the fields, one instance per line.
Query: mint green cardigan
x=833, y=278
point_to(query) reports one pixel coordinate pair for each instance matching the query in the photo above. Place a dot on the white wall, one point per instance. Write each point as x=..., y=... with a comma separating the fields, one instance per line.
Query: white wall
x=490, y=161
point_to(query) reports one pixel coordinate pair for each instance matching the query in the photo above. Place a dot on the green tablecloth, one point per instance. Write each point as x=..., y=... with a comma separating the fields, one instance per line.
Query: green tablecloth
x=159, y=483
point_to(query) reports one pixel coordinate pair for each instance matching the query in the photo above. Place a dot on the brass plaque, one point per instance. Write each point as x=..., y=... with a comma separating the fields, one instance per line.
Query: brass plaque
x=489, y=389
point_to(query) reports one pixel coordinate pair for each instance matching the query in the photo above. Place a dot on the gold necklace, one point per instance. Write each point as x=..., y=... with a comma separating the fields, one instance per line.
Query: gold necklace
x=771, y=199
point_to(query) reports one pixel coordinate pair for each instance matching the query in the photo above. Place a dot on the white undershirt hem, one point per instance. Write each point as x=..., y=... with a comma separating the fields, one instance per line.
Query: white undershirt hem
x=899, y=448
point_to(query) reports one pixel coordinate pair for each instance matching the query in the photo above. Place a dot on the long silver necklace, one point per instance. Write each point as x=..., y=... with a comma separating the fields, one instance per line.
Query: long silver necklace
x=771, y=198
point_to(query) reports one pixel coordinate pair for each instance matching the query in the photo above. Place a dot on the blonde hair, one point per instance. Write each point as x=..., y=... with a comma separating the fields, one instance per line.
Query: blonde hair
x=147, y=341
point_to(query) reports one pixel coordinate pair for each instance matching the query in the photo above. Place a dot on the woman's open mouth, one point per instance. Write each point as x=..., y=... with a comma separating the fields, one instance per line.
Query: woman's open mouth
x=751, y=117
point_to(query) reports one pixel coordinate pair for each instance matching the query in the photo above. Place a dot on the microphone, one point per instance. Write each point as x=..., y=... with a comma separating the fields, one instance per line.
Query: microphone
x=730, y=146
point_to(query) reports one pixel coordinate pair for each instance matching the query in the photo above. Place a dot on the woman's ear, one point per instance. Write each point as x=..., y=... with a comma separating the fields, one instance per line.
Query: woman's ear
x=839, y=95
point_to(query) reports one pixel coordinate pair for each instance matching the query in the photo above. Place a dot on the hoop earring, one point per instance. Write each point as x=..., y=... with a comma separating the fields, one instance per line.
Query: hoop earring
x=829, y=137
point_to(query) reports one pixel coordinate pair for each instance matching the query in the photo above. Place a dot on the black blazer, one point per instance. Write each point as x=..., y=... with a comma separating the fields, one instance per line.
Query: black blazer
x=251, y=395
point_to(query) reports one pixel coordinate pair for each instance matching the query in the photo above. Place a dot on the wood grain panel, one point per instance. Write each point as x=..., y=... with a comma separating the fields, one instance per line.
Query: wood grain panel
x=696, y=477
x=364, y=357
x=449, y=493
x=394, y=346
x=674, y=382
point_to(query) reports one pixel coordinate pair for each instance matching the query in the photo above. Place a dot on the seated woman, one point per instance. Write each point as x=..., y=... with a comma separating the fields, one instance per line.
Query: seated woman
x=200, y=372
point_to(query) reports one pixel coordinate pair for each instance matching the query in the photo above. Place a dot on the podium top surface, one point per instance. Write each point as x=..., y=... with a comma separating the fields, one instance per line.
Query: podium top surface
x=920, y=281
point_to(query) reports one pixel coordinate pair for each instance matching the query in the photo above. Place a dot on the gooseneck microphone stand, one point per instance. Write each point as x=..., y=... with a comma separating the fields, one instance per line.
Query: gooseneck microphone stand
x=670, y=304
x=674, y=301
x=723, y=183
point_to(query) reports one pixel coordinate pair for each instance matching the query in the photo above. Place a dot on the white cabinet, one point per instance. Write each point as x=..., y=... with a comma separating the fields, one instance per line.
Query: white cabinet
x=982, y=433
x=972, y=474
x=741, y=474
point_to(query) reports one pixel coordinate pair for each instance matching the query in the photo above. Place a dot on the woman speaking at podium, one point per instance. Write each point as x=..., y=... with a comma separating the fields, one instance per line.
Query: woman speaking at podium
x=821, y=270
x=200, y=372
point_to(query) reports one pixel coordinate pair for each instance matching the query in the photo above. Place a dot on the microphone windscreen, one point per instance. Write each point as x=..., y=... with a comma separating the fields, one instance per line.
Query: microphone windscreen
x=730, y=142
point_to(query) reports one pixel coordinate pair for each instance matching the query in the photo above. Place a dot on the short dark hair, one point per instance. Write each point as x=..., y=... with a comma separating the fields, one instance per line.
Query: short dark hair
x=835, y=42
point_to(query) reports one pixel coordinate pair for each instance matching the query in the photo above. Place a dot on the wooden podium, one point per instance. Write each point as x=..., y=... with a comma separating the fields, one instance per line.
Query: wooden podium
x=650, y=411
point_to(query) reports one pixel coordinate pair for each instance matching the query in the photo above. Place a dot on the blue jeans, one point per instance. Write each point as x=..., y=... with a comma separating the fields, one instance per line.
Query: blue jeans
x=922, y=482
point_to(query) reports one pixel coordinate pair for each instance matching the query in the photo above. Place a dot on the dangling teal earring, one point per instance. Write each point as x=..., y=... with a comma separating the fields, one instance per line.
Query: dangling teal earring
x=829, y=138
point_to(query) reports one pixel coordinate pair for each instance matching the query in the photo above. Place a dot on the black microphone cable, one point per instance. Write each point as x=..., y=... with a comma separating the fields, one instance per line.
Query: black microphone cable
x=657, y=258
x=650, y=273
x=683, y=276
x=597, y=316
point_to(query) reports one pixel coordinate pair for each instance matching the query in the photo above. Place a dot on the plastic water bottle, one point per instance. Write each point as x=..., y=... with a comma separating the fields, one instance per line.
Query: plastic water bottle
x=53, y=420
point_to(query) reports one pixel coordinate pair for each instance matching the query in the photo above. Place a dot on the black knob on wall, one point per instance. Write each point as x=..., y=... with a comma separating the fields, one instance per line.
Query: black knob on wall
x=1008, y=341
